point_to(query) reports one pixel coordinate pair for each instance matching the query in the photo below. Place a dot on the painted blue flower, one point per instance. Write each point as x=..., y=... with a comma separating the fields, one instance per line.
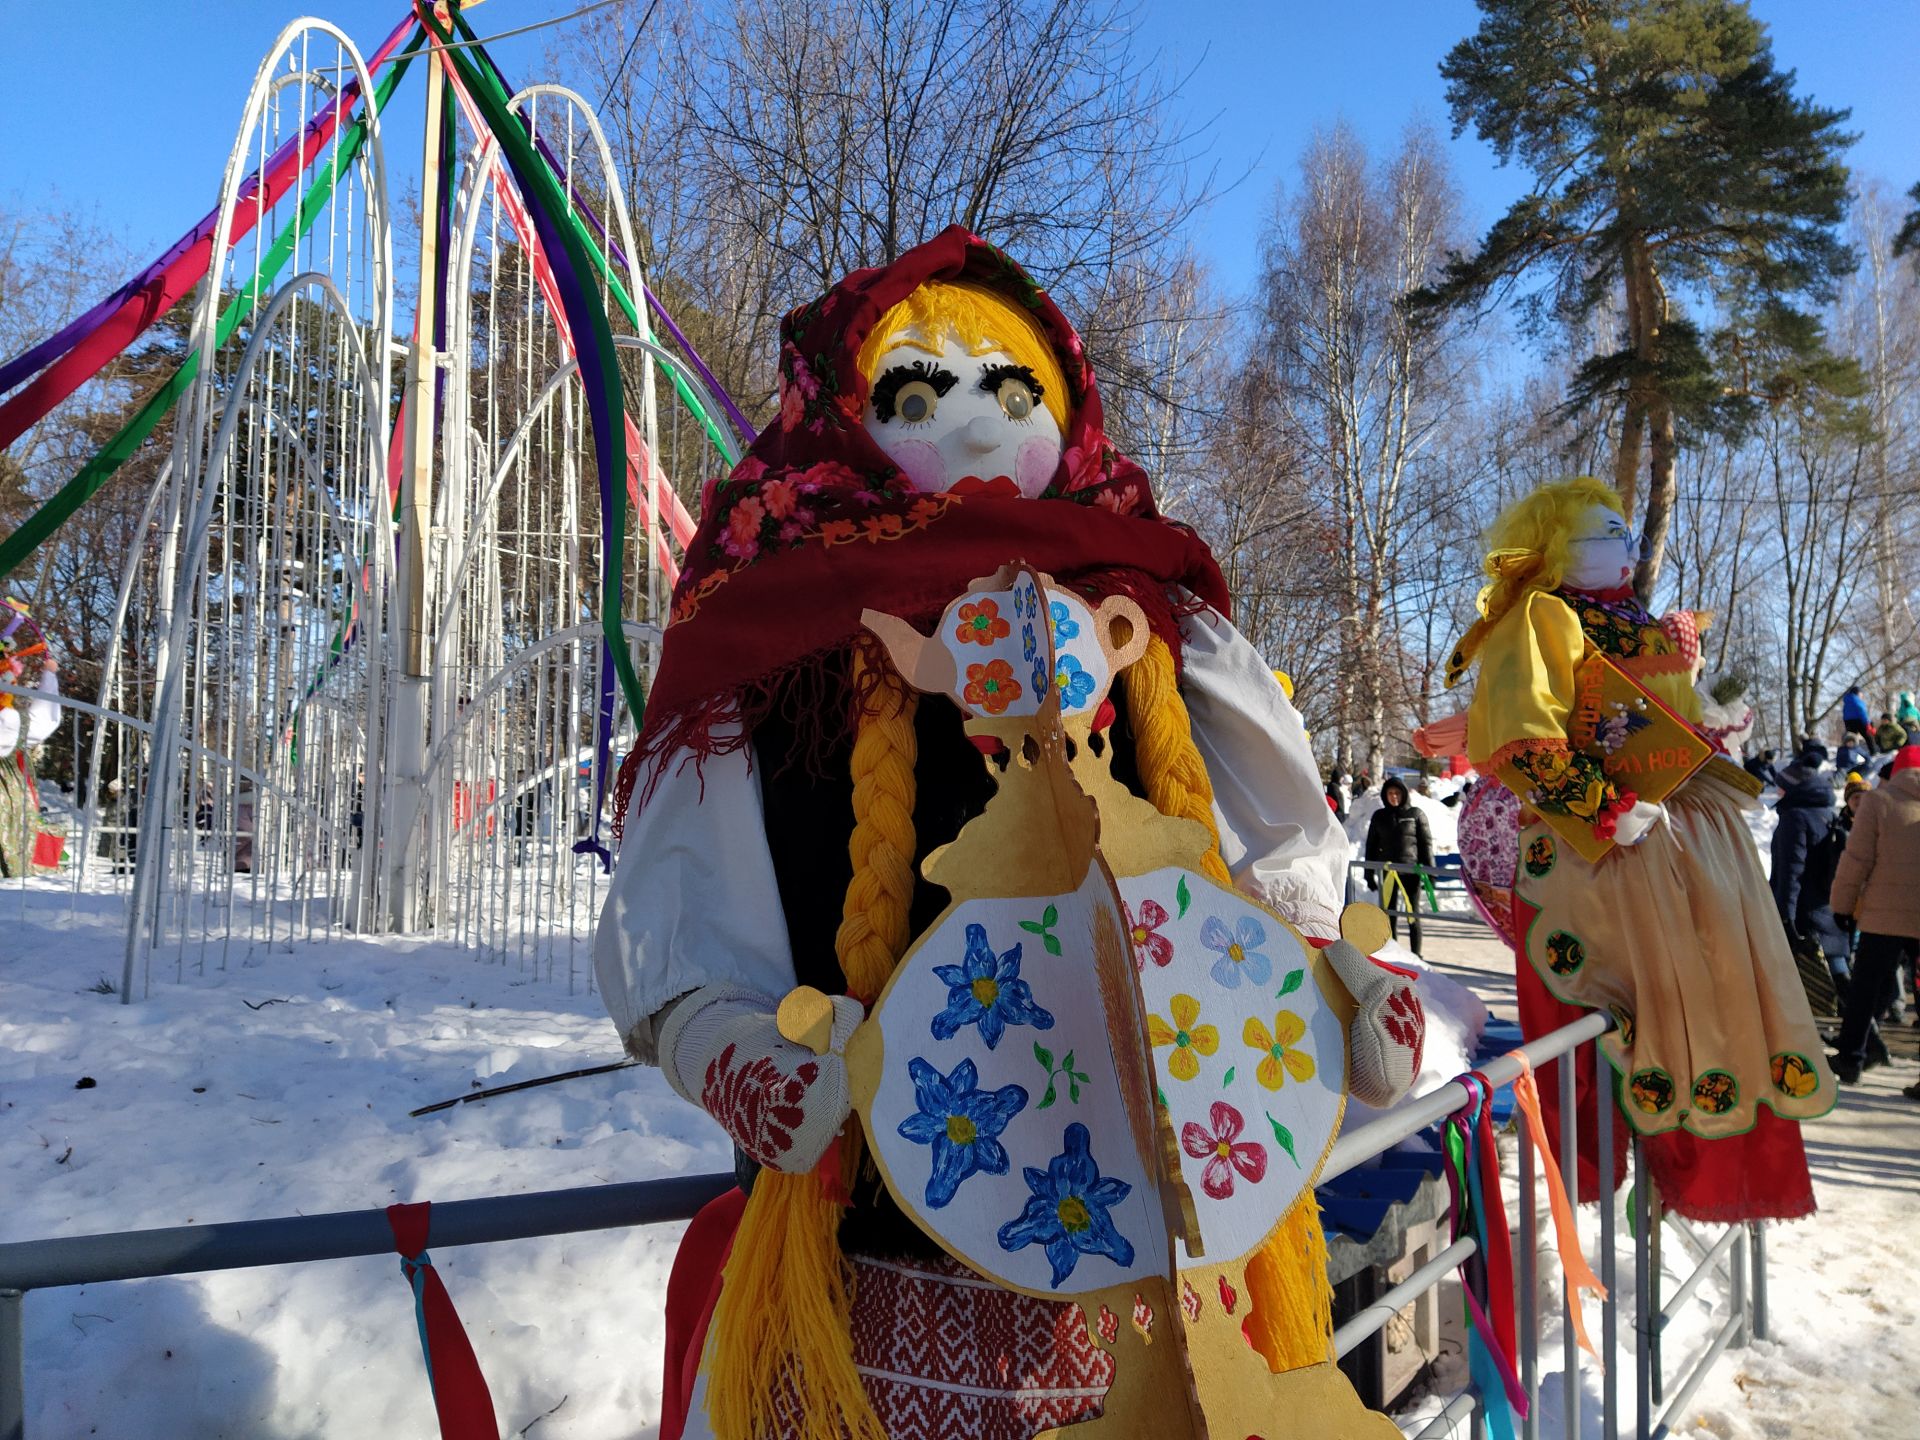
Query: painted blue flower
x=1065, y=627
x=986, y=990
x=1239, y=951
x=1029, y=642
x=961, y=1122
x=1039, y=677
x=1068, y=1211
x=1074, y=681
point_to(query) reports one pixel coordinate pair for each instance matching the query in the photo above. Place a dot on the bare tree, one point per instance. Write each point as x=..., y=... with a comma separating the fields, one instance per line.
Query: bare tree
x=772, y=146
x=1363, y=391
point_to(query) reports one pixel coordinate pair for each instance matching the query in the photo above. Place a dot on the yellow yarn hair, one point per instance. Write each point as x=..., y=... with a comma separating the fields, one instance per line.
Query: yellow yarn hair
x=1291, y=1324
x=782, y=1341
x=983, y=320
x=1528, y=548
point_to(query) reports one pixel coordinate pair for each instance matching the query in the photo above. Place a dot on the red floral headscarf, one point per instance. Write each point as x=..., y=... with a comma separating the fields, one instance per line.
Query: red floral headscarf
x=816, y=524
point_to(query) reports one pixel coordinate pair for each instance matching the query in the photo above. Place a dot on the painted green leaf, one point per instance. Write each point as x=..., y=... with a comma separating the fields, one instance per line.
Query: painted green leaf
x=1052, y=942
x=1283, y=1137
x=1228, y=1080
x=1033, y=927
x=1043, y=1055
x=1052, y=917
x=1292, y=982
x=1183, y=897
x=1067, y=1064
x=1083, y=1077
x=1073, y=1091
x=1162, y=1095
x=1049, y=1100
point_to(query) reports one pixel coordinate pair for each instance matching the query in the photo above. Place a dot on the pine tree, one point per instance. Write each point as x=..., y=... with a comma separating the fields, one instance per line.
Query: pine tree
x=1909, y=237
x=1672, y=162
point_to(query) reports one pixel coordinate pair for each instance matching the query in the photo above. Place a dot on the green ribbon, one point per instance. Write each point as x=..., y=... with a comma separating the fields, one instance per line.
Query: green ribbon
x=39, y=526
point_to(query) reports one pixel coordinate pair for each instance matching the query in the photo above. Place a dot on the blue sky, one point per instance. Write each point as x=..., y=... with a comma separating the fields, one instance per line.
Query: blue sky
x=140, y=148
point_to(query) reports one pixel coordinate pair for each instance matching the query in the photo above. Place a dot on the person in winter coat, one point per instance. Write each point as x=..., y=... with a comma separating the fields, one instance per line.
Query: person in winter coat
x=1889, y=735
x=1760, y=766
x=1876, y=890
x=1336, y=797
x=1398, y=834
x=1806, y=849
x=1853, y=753
x=1854, y=716
x=1906, y=712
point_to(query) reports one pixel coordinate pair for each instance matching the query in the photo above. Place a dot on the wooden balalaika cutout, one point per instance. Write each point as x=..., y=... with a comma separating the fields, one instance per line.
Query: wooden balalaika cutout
x=1099, y=1075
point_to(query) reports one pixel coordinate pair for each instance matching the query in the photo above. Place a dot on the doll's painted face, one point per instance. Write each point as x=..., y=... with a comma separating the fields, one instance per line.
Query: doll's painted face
x=1600, y=554
x=961, y=422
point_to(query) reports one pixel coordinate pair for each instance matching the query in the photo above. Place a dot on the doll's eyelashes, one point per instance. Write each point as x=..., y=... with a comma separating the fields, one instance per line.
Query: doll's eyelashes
x=1015, y=387
x=911, y=391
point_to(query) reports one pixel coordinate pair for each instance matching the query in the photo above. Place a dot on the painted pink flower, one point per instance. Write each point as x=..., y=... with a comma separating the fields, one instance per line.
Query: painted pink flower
x=1224, y=1151
x=743, y=529
x=1143, y=929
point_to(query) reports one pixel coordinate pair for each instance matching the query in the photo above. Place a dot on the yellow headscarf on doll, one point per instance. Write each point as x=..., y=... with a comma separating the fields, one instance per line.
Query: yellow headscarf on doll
x=1528, y=548
x=983, y=320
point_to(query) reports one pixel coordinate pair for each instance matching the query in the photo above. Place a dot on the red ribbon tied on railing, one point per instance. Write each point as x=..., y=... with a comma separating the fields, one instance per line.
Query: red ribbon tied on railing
x=460, y=1396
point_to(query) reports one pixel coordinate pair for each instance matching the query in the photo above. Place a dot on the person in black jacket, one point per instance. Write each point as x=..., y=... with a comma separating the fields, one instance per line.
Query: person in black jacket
x=1807, y=843
x=1398, y=833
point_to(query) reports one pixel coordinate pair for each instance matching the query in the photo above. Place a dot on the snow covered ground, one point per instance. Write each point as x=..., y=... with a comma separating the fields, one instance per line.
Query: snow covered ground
x=282, y=1086
x=205, y=1107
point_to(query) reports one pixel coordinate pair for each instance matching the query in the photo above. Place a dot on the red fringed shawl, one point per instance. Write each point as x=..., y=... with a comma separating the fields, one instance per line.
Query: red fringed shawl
x=816, y=524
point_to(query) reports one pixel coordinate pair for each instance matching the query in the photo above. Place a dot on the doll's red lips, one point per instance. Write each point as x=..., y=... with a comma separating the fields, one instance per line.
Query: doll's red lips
x=1001, y=486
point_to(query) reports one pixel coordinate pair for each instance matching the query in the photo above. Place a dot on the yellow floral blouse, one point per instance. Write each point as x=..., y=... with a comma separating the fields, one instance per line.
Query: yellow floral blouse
x=1517, y=724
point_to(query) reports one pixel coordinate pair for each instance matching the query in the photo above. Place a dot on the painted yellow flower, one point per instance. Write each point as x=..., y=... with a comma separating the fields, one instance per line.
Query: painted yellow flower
x=1279, y=1057
x=1189, y=1039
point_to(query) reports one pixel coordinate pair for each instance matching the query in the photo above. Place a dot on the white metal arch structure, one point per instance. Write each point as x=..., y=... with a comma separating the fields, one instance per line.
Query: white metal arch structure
x=260, y=578
x=516, y=661
x=284, y=566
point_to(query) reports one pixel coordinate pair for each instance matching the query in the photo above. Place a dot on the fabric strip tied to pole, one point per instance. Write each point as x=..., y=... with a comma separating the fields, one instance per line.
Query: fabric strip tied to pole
x=460, y=1396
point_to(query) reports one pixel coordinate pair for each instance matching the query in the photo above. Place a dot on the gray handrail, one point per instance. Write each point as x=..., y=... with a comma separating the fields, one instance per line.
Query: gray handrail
x=238, y=1244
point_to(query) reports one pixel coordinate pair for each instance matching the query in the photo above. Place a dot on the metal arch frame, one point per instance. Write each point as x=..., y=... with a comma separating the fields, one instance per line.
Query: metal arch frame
x=191, y=420
x=498, y=681
x=511, y=453
x=156, y=835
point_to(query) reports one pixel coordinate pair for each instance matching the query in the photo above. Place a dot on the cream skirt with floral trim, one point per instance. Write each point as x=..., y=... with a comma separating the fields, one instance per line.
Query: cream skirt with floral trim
x=1678, y=937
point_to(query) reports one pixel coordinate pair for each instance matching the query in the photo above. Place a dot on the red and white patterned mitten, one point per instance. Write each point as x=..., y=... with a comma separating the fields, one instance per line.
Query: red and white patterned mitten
x=721, y=1048
x=1389, y=1029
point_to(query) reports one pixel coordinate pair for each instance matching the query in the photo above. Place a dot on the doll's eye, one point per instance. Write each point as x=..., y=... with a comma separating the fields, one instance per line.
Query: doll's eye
x=1015, y=387
x=911, y=391
x=916, y=402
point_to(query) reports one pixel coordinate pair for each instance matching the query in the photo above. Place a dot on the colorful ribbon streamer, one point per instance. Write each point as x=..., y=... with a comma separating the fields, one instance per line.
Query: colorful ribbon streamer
x=1573, y=1264
x=460, y=1396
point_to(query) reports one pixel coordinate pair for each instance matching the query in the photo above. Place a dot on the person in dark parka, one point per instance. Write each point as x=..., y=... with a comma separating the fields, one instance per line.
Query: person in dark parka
x=1806, y=847
x=1397, y=833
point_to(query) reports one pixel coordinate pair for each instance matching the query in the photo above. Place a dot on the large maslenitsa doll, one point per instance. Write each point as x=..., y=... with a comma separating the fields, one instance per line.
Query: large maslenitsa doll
x=1636, y=885
x=25, y=722
x=934, y=636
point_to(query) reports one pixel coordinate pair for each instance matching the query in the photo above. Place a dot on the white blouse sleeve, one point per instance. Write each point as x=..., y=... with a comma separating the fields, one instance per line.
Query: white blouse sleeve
x=693, y=900
x=43, y=715
x=1277, y=834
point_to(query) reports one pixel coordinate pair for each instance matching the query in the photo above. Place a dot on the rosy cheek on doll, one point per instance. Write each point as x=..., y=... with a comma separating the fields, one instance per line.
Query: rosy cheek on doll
x=1034, y=466
x=921, y=463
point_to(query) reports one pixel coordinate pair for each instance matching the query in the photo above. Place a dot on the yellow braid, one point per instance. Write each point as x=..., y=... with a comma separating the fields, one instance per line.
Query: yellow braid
x=1169, y=761
x=1292, y=1320
x=782, y=1353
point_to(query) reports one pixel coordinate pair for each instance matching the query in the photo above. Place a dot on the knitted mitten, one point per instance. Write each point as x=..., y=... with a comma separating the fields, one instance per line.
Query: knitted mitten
x=1389, y=1028
x=721, y=1049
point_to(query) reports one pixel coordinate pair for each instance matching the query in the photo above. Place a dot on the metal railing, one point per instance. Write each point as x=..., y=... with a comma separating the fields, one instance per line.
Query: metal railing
x=137, y=1254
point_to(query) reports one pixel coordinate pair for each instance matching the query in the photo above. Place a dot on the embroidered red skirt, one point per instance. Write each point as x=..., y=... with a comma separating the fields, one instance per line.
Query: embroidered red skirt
x=943, y=1354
